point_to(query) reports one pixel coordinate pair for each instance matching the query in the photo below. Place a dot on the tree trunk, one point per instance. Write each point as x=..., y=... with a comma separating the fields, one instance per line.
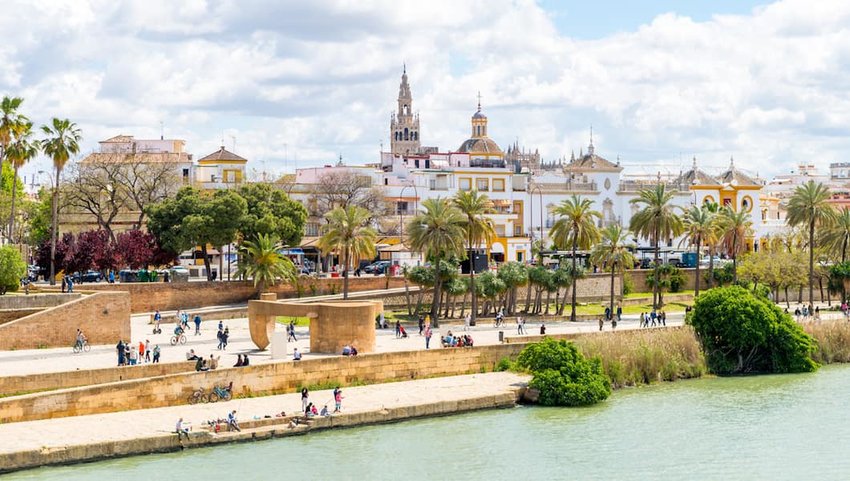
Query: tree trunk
x=735, y=258
x=655, y=287
x=463, y=305
x=711, y=267
x=472, y=277
x=206, y=260
x=696, y=281
x=575, y=280
x=843, y=260
x=435, y=302
x=613, y=272
x=528, y=298
x=12, y=215
x=346, y=259
x=407, y=295
x=811, y=260
x=787, y=299
x=53, y=232
x=548, y=301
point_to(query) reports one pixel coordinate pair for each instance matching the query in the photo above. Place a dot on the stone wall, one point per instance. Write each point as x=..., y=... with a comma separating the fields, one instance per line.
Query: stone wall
x=148, y=297
x=9, y=315
x=104, y=317
x=270, y=378
x=639, y=279
x=34, y=301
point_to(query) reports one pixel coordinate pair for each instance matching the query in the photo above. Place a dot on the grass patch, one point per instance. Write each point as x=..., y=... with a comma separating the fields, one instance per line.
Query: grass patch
x=833, y=340
x=631, y=358
x=299, y=321
x=599, y=309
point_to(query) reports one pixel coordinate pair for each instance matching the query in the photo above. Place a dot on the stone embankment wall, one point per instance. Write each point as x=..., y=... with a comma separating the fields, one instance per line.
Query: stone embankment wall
x=30, y=383
x=271, y=378
x=639, y=279
x=170, y=296
x=35, y=301
x=104, y=317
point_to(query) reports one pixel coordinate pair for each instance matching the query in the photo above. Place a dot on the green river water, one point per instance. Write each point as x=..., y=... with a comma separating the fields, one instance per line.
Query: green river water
x=763, y=427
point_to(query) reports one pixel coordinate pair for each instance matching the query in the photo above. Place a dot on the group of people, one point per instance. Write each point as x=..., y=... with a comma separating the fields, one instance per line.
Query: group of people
x=653, y=318
x=450, y=340
x=210, y=364
x=309, y=409
x=242, y=360
x=807, y=312
x=128, y=355
x=347, y=350
x=222, y=335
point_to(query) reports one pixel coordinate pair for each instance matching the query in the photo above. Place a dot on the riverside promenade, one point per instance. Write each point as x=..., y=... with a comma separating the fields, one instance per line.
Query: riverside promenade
x=102, y=436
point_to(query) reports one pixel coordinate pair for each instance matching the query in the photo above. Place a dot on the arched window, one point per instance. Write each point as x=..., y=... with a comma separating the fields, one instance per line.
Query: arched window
x=406, y=134
x=406, y=110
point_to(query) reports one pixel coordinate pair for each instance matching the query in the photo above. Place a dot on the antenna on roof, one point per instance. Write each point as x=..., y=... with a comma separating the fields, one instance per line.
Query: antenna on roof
x=161, y=130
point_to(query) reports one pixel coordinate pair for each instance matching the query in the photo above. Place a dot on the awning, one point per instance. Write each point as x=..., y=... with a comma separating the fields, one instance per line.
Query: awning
x=293, y=252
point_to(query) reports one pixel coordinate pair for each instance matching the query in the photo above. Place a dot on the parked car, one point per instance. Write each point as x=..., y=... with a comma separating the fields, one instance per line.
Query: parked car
x=377, y=267
x=87, y=276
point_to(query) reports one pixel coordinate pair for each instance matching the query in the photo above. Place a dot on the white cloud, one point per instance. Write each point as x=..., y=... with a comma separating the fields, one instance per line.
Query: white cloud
x=321, y=77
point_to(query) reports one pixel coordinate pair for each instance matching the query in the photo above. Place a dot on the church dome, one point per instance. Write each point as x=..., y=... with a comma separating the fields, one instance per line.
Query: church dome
x=479, y=115
x=480, y=145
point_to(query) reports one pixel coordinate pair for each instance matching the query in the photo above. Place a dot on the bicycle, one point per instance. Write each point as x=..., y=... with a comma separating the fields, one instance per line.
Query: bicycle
x=80, y=347
x=198, y=396
x=178, y=338
x=224, y=393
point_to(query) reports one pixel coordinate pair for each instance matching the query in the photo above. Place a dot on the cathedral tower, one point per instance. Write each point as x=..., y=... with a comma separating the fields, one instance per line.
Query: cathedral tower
x=404, y=125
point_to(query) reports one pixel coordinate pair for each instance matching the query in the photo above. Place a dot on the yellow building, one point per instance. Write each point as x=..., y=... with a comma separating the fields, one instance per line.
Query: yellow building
x=220, y=169
x=482, y=150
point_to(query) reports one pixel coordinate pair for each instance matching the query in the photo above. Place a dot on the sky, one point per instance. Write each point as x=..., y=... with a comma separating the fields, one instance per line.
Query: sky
x=291, y=84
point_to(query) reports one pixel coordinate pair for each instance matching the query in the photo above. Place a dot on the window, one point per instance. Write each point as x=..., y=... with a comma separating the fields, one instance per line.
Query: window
x=401, y=207
x=465, y=184
x=498, y=185
x=500, y=230
x=311, y=229
x=482, y=185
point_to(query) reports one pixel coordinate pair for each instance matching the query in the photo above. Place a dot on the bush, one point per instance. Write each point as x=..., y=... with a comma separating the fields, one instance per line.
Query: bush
x=563, y=376
x=628, y=284
x=742, y=333
x=504, y=364
x=12, y=269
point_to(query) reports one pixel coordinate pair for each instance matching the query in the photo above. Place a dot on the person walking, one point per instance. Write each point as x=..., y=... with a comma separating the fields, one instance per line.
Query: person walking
x=156, y=353
x=305, y=399
x=338, y=399
x=519, y=325
x=428, y=336
x=70, y=285
x=224, y=337
x=112, y=277
x=652, y=316
x=141, y=352
x=641, y=320
x=619, y=312
x=664, y=318
x=218, y=336
x=291, y=334
x=398, y=329
x=147, y=350
x=64, y=284
x=421, y=325
x=607, y=313
x=601, y=323
x=542, y=328
x=120, y=348
x=197, y=325
x=467, y=321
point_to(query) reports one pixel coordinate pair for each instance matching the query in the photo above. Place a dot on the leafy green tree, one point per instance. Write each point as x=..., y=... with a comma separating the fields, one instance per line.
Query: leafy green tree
x=614, y=253
x=12, y=269
x=542, y=279
x=700, y=226
x=669, y=279
x=562, y=278
x=270, y=211
x=41, y=218
x=514, y=275
x=422, y=277
x=62, y=141
x=264, y=262
x=836, y=238
x=575, y=228
x=478, y=228
x=657, y=219
x=742, y=333
x=10, y=122
x=809, y=206
x=437, y=232
x=562, y=375
x=455, y=287
x=348, y=233
x=19, y=153
x=736, y=227
x=490, y=287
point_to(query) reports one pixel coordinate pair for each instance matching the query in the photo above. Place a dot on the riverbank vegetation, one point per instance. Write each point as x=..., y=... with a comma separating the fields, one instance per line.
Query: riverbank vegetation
x=742, y=333
x=563, y=375
x=832, y=338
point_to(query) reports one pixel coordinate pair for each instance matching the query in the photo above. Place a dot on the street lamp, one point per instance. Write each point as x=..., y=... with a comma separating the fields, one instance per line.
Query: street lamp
x=415, y=199
x=531, y=202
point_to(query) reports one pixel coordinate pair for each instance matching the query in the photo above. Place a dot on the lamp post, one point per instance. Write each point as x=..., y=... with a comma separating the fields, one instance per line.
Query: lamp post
x=415, y=199
x=531, y=201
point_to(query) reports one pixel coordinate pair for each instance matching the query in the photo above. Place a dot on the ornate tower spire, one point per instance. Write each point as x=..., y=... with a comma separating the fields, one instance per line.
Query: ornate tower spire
x=695, y=164
x=590, y=147
x=404, y=125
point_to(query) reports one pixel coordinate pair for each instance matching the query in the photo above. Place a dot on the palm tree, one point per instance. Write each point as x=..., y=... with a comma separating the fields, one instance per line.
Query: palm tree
x=438, y=233
x=10, y=121
x=613, y=252
x=836, y=238
x=347, y=232
x=656, y=220
x=19, y=152
x=575, y=227
x=809, y=206
x=736, y=227
x=479, y=229
x=700, y=226
x=264, y=262
x=63, y=141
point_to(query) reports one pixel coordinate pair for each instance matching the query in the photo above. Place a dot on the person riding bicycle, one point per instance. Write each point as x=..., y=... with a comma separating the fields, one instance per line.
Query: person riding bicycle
x=80, y=340
x=178, y=330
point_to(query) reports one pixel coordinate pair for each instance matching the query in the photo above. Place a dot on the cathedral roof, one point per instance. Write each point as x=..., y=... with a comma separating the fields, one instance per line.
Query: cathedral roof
x=478, y=114
x=480, y=145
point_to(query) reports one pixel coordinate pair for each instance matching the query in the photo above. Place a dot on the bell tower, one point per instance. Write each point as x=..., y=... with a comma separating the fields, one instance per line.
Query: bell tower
x=404, y=124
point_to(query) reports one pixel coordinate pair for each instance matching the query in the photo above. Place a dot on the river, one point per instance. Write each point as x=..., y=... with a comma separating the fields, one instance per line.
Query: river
x=761, y=427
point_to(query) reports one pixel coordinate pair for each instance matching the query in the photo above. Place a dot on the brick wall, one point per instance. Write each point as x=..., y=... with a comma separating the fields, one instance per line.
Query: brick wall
x=147, y=297
x=278, y=377
x=104, y=317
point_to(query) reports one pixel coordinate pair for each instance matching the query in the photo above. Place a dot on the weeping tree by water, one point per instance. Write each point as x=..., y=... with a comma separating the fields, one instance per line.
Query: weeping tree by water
x=575, y=229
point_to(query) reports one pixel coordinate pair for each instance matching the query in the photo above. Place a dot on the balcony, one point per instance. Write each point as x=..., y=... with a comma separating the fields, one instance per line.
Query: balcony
x=639, y=185
x=566, y=186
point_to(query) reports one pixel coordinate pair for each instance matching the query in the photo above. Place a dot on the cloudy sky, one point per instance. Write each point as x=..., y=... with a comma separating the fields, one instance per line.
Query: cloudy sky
x=299, y=83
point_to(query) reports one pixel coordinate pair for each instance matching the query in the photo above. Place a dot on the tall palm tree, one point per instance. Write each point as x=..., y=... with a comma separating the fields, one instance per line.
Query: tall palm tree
x=479, y=229
x=836, y=239
x=700, y=226
x=264, y=262
x=613, y=252
x=575, y=227
x=657, y=219
x=19, y=152
x=10, y=121
x=348, y=233
x=437, y=231
x=809, y=206
x=63, y=141
x=736, y=226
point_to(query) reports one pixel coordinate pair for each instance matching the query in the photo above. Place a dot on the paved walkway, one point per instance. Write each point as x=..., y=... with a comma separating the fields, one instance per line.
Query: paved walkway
x=33, y=361
x=81, y=430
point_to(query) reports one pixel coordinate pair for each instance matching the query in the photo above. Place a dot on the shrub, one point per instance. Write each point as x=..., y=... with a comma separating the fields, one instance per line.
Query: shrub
x=504, y=364
x=563, y=376
x=12, y=269
x=628, y=284
x=742, y=333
